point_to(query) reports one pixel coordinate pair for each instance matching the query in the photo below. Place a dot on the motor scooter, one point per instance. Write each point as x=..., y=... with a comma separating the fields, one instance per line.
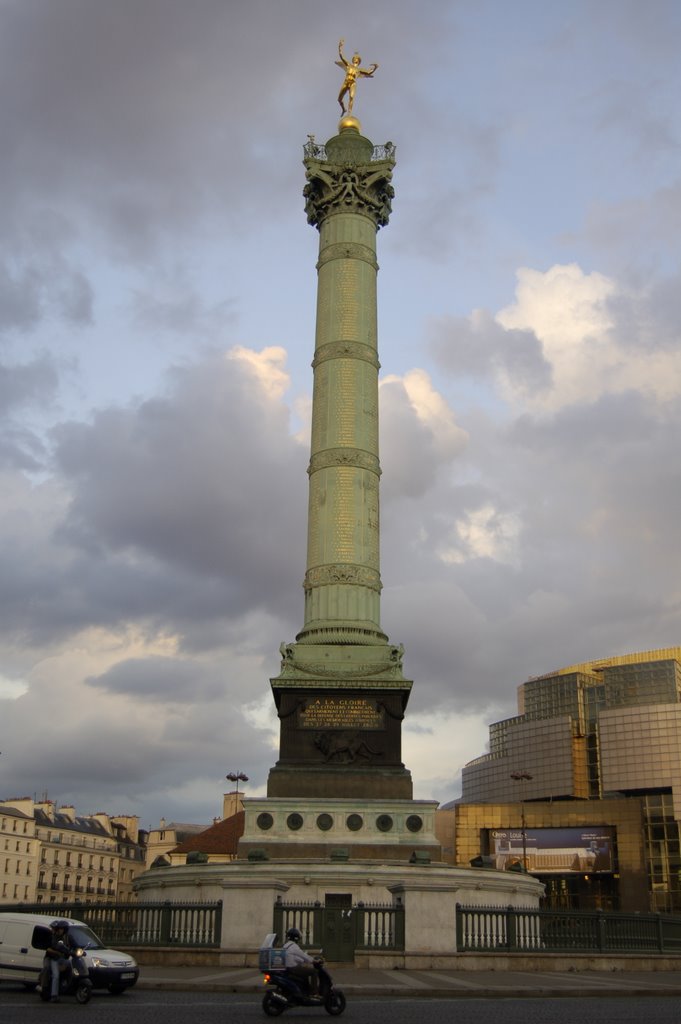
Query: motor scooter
x=285, y=990
x=74, y=978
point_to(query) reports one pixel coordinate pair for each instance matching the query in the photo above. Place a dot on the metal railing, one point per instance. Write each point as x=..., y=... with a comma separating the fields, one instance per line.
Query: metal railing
x=191, y=925
x=379, y=927
x=317, y=151
x=518, y=930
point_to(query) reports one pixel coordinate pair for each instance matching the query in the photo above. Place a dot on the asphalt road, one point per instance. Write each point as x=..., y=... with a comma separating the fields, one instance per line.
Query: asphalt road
x=155, y=1007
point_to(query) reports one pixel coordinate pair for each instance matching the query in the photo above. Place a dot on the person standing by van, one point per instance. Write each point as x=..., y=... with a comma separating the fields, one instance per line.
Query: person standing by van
x=57, y=955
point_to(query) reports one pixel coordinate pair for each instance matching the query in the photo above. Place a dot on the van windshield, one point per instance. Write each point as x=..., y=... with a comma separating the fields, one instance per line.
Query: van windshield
x=80, y=935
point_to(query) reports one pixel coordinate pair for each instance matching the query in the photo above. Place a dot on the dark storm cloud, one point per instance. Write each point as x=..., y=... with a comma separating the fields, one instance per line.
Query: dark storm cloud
x=413, y=451
x=649, y=320
x=170, y=511
x=183, y=480
x=479, y=347
x=20, y=295
x=166, y=680
x=181, y=309
x=98, y=91
x=26, y=384
x=121, y=751
x=21, y=449
x=594, y=492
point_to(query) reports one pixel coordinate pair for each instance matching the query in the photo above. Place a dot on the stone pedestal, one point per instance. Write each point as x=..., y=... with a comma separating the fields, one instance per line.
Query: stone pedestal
x=340, y=830
x=247, y=903
x=429, y=894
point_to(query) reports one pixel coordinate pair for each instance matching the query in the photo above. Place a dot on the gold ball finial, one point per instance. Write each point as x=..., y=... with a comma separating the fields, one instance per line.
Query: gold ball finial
x=349, y=122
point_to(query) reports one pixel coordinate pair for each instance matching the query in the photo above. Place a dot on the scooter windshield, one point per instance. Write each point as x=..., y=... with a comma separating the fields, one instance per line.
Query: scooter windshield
x=80, y=935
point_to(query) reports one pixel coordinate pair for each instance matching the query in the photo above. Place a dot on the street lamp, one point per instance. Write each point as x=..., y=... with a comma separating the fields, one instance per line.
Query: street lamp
x=237, y=777
x=522, y=777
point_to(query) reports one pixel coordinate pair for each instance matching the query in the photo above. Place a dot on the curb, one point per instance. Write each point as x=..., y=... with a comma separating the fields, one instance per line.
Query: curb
x=404, y=992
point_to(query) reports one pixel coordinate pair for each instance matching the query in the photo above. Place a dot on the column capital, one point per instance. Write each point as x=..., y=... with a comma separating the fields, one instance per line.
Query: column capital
x=349, y=175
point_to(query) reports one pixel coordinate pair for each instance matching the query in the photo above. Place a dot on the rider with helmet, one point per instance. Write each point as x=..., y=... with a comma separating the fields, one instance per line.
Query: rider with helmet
x=299, y=963
x=57, y=955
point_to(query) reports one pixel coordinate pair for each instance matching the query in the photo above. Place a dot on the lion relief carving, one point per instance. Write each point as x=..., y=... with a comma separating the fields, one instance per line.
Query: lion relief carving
x=344, y=747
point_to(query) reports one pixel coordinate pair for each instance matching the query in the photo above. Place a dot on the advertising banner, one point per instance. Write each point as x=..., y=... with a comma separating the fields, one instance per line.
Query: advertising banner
x=588, y=850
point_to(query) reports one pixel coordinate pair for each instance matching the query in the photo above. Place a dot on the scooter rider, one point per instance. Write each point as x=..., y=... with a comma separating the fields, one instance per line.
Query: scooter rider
x=57, y=955
x=299, y=963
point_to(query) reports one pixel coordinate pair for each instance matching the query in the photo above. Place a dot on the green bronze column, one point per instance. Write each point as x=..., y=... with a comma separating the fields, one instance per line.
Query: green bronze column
x=348, y=198
x=341, y=694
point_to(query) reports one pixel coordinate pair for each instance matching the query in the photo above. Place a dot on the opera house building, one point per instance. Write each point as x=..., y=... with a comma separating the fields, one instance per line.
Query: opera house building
x=582, y=788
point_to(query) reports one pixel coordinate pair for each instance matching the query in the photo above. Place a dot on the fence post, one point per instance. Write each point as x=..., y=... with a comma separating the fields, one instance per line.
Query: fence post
x=358, y=924
x=399, y=913
x=166, y=915
x=458, y=910
x=601, y=940
x=660, y=934
x=511, y=931
x=217, y=923
x=278, y=919
x=317, y=924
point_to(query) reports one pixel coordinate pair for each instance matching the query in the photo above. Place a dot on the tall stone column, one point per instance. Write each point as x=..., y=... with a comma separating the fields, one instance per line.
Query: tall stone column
x=341, y=694
x=348, y=198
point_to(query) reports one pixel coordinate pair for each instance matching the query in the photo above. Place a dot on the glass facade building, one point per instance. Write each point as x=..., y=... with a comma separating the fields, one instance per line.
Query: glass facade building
x=598, y=732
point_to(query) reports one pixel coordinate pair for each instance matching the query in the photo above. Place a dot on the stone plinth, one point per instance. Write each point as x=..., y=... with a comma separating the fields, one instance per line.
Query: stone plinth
x=388, y=830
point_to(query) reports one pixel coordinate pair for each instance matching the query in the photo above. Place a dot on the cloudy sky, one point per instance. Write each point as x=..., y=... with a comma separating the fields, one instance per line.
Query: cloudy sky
x=157, y=290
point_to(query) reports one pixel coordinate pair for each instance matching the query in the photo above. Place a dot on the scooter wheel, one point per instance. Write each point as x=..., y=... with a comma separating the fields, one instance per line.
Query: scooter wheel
x=335, y=1002
x=272, y=1007
x=83, y=994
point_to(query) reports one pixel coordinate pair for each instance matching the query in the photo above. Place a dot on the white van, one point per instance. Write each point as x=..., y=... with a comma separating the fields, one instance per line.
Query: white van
x=25, y=937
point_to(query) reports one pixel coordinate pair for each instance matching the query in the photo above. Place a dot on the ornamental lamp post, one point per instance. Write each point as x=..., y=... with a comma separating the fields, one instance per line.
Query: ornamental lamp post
x=237, y=777
x=522, y=777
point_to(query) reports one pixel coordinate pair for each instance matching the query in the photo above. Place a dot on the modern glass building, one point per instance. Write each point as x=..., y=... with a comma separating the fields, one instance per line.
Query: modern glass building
x=593, y=735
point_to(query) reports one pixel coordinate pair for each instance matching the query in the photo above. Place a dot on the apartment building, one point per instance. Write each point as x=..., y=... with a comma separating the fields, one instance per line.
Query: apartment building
x=54, y=855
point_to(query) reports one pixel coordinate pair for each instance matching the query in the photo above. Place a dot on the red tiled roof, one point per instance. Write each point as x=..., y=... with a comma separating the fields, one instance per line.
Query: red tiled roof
x=221, y=838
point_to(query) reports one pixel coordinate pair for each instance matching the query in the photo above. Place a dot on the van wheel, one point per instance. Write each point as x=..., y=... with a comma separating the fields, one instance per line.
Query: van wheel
x=116, y=989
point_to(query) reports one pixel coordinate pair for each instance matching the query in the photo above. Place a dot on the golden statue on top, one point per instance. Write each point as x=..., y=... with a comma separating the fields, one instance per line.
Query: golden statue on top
x=353, y=71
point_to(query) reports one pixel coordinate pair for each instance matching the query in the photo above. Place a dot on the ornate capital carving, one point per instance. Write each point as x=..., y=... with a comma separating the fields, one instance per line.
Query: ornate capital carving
x=346, y=350
x=355, y=457
x=353, y=188
x=327, y=575
x=347, y=251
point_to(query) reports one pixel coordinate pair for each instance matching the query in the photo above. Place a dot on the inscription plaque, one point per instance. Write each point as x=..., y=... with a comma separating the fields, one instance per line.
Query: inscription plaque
x=341, y=713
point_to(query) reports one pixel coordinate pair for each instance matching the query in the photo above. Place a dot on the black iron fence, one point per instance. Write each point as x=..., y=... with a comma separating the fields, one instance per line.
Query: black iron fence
x=521, y=930
x=342, y=931
x=360, y=927
x=191, y=925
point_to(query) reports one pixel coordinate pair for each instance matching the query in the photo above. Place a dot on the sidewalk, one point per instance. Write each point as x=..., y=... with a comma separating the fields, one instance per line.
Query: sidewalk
x=424, y=984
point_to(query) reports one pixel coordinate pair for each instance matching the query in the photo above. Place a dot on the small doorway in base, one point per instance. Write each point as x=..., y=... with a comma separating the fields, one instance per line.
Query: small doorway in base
x=338, y=939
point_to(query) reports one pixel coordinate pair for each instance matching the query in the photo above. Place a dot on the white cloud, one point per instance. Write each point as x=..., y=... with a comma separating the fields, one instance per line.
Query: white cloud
x=437, y=746
x=432, y=411
x=483, y=532
x=10, y=689
x=268, y=367
x=572, y=313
